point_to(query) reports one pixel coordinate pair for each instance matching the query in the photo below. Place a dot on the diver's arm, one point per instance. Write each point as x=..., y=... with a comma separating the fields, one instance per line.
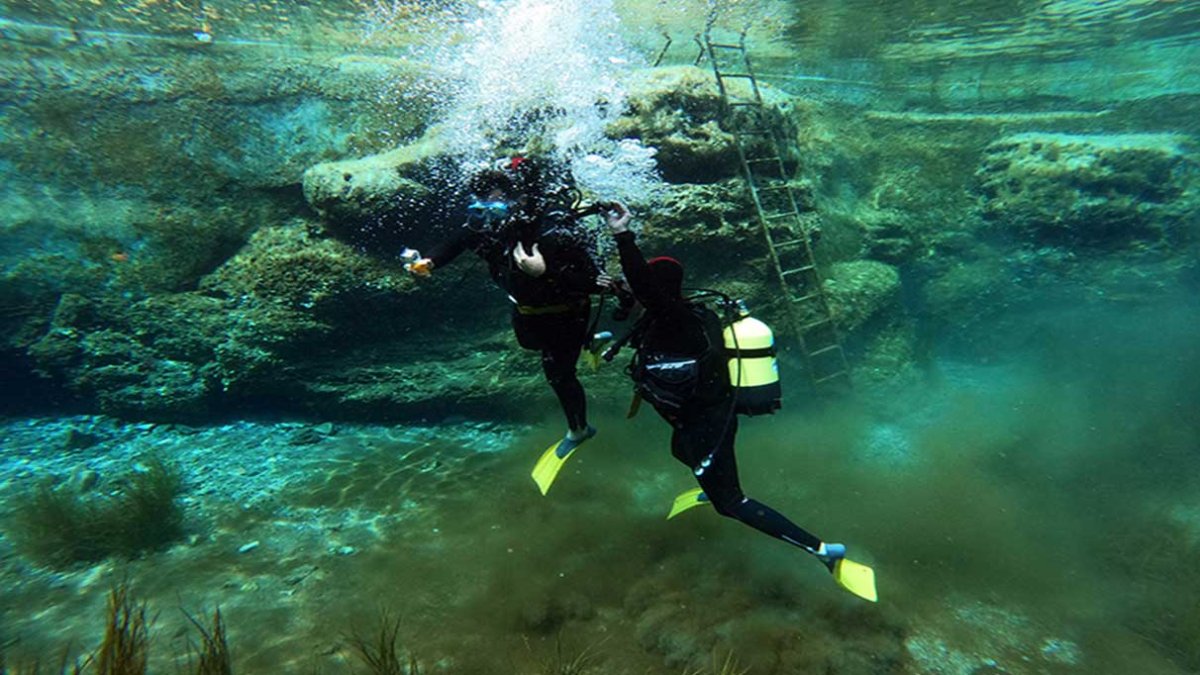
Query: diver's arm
x=444, y=253
x=633, y=263
x=637, y=273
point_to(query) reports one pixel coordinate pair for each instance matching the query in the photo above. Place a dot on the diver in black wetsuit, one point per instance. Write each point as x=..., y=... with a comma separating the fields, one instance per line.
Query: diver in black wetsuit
x=535, y=254
x=700, y=411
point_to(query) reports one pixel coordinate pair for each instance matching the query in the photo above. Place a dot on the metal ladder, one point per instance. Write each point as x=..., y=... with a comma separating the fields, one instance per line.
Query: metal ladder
x=761, y=152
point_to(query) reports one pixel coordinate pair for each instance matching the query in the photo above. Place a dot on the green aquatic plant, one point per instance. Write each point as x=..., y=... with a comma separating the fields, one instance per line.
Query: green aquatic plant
x=57, y=526
x=380, y=651
x=125, y=647
x=565, y=663
x=1158, y=556
x=727, y=666
x=212, y=655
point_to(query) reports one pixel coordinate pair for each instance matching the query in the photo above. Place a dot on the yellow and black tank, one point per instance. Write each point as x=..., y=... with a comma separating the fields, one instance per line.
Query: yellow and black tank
x=753, y=366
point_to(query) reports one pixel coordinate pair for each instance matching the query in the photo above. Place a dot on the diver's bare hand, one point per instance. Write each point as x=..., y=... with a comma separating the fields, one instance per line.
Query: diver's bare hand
x=617, y=217
x=532, y=263
x=605, y=281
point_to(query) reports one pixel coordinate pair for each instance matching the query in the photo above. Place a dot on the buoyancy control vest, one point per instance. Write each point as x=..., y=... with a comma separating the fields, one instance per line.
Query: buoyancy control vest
x=673, y=380
x=742, y=344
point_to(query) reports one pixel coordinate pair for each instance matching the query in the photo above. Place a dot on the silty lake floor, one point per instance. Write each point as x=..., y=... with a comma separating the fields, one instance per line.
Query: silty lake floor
x=304, y=532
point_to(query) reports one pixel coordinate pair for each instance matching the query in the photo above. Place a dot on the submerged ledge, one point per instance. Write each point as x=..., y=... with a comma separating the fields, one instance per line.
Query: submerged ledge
x=990, y=118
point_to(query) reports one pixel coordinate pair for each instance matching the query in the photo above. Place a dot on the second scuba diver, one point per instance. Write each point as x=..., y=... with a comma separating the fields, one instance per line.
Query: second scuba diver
x=680, y=368
x=534, y=252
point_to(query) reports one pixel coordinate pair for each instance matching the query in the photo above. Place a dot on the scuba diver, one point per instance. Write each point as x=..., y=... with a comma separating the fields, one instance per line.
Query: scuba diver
x=681, y=366
x=536, y=253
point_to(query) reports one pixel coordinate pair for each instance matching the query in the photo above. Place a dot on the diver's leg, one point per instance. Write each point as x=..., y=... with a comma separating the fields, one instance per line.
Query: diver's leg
x=559, y=339
x=711, y=437
x=559, y=366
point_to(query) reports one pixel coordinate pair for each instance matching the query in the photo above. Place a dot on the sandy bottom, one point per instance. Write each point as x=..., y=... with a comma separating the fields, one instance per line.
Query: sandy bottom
x=1020, y=521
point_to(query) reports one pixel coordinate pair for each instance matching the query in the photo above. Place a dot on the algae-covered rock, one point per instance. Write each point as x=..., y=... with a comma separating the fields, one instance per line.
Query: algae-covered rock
x=862, y=290
x=294, y=265
x=1099, y=191
x=865, y=298
x=677, y=111
x=380, y=200
x=104, y=361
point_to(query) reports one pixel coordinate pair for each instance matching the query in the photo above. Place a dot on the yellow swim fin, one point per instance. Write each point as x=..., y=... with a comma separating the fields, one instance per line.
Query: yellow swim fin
x=553, y=459
x=685, y=501
x=592, y=359
x=856, y=578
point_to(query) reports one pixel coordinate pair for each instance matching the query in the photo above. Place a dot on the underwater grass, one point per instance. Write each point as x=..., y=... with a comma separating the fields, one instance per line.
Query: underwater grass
x=126, y=644
x=380, y=651
x=570, y=662
x=58, y=527
x=212, y=654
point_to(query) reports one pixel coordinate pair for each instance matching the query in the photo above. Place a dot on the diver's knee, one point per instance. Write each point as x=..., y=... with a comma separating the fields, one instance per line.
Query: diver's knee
x=731, y=507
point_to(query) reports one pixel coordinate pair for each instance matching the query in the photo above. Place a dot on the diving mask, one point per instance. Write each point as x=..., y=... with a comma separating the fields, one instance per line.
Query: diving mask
x=488, y=210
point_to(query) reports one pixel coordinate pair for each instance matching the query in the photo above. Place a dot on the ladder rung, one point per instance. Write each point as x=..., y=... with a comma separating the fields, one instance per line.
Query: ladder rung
x=719, y=45
x=738, y=104
x=806, y=298
x=740, y=76
x=822, y=380
x=797, y=270
x=767, y=188
x=780, y=216
x=762, y=160
x=788, y=243
x=819, y=322
x=824, y=350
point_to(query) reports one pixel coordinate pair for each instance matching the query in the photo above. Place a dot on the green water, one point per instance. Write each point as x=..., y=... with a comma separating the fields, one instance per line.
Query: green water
x=1006, y=194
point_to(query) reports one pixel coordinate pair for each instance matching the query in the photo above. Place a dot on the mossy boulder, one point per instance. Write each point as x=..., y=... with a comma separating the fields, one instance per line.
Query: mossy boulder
x=298, y=266
x=862, y=290
x=380, y=201
x=678, y=109
x=1101, y=192
x=99, y=357
x=865, y=297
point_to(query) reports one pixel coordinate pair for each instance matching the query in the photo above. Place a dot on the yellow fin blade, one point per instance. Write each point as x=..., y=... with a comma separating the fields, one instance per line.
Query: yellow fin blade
x=592, y=359
x=548, y=466
x=685, y=501
x=856, y=578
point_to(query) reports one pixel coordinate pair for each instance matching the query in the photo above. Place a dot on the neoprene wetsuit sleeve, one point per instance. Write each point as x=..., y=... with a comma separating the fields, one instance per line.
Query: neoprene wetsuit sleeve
x=637, y=273
x=444, y=253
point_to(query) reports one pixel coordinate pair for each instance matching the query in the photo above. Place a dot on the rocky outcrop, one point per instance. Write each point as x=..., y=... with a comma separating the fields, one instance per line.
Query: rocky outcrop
x=861, y=291
x=1093, y=191
x=381, y=200
x=676, y=110
x=865, y=298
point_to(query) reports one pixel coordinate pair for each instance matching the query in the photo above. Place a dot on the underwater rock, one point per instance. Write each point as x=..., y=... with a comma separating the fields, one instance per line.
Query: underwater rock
x=123, y=375
x=862, y=290
x=890, y=236
x=83, y=480
x=677, y=111
x=380, y=200
x=1093, y=191
x=865, y=296
x=294, y=267
x=76, y=439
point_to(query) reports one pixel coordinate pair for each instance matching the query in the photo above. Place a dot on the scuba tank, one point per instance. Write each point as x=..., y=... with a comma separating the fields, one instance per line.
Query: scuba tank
x=753, y=366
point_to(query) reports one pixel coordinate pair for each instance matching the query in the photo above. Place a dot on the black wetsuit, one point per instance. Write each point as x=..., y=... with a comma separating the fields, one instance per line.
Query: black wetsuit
x=550, y=312
x=705, y=425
